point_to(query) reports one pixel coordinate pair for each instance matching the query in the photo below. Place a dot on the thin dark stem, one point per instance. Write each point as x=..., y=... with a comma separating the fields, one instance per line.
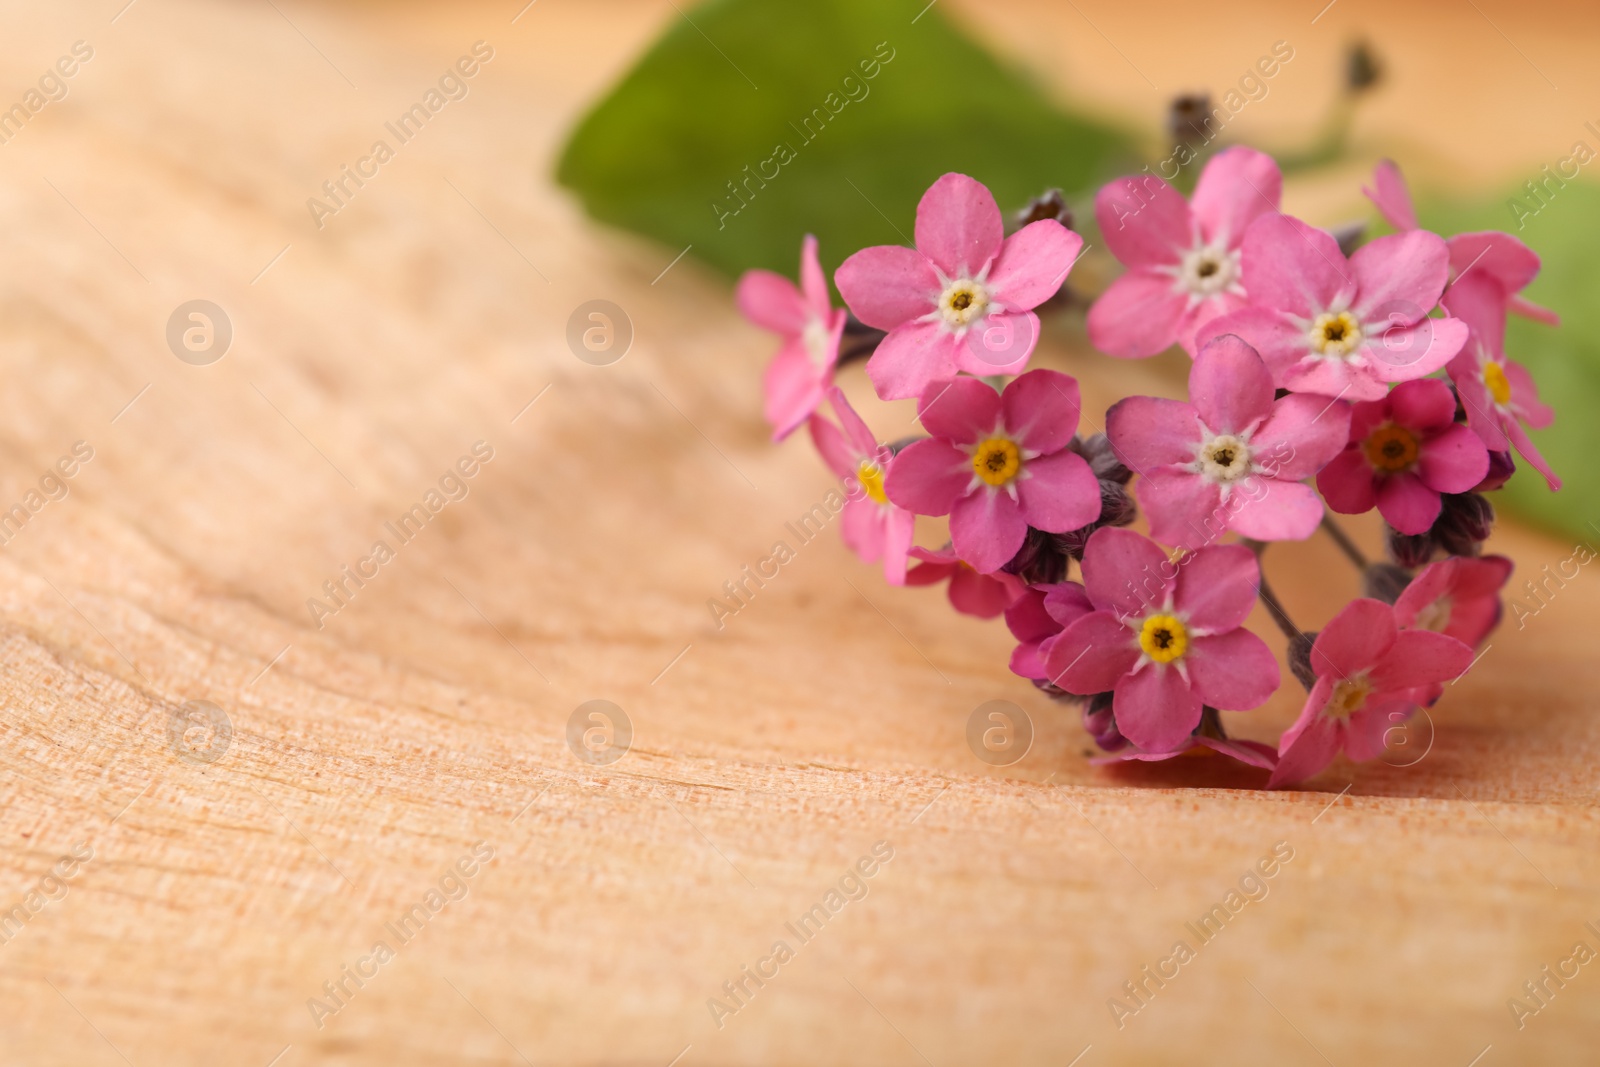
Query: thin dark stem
x=1342, y=539
x=1270, y=599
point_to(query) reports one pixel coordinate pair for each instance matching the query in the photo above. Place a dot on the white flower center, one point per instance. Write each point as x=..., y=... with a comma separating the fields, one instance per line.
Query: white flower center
x=815, y=336
x=1435, y=616
x=1335, y=333
x=963, y=302
x=1224, y=458
x=1207, y=270
x=1348, y=697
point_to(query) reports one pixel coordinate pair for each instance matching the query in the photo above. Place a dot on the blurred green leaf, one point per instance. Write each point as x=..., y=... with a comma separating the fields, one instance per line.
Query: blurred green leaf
x=1564, y=360
x=732, y=80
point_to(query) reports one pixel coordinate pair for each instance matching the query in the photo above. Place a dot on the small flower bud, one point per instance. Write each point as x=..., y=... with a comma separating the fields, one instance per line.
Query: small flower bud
x=1051, y=205
x=1116, y=509
x=858, y=341
x=1300, y=659
x=1102, y=724
x=1465, y=522
x=1385, y=581
x=1187, y=117
x=1410, y=550
x=1102, y=458
x=1040, y=560
x=1350, y=236
x=1501, y=468
x=1050, y=689
x=1361, y=69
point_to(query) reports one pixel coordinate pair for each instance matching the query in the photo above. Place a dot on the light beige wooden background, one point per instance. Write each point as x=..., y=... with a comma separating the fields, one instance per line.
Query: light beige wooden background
x=370, y=754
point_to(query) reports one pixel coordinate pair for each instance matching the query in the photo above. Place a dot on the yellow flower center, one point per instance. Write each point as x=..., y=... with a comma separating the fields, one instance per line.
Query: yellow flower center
x=1336, y=334
x=871, y=476
x=1349, y=696
x=997, y=460
x=963, y=302
x=1164, y=638
x=1495, y=378
x=1391, y=448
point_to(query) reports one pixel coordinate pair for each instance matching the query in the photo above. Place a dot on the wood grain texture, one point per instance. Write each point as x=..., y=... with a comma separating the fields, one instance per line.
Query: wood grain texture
x=371, y=754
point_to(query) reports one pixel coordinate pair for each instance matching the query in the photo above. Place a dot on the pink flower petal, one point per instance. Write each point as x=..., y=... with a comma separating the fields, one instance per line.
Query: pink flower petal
x=1155, y=708
x=1125, y=572
x=772, y=302
x=1059, y=492
x=959, y=226
x=1525, y=396
x=1402, y=353
x=793, y=388
x=1477, y=300
x=899, y=526
x=861, y=527
x=855, y=431
x=1422, y=404
x=1237, y=187
x=1265, y=509
x=1347, y=483
x=1092, y=654
x=1408, y=505
x=1507, y=262
x=1455, y=460
x=1216, y=588
x=982, y=595
x=1032, y=264
x=1311, y=750
x=927, y=477
x=813, y=282
x=887, y=285
x=1233, y=671
x=1367, y=732
x=1419, y=658
x=965, y=410
x=987, y=528
x=1466, y=371
x=1040, y=410
x=1281, y=343
x=1138, y=315
x=1301, y=436
x=1393, y=200
x=1229, y=385
x=1067, y=602
x=1400, y=277
x=929, y=573
x=1145, y=221
x=1529, y=310
x=1184, y=509
x=1528, y=451
x=1027, y=618
x=1253, y=753
x=1000, y=344
x=836, y=452
x=1148, y=432
x=1295, y=268
x=911, y=358
x=1354, y=640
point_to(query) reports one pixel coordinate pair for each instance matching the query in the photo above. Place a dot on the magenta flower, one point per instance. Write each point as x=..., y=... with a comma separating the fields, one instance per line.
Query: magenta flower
x=872, y=526
x=963, y=298
x=1164, y=643
x=998, y=463
x=1498, y=395
x=810, y=327
x=1369, y=672
x=982, y=595
x=1036, y=619
x=1458, y=597
x=1488, y=257
x=1182, y=256
x=1342, y=327
x=1404, y=451
x=1231, y=459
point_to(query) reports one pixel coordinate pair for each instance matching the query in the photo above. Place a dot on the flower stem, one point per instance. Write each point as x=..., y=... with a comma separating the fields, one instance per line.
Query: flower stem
x=1342, y=539
x=1269, y=598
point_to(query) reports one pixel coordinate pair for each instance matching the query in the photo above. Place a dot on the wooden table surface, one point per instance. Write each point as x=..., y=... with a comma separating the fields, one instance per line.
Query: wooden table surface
x=398, y=771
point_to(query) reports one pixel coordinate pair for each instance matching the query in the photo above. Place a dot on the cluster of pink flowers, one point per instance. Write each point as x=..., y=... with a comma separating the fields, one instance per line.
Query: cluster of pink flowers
x=1323, y=380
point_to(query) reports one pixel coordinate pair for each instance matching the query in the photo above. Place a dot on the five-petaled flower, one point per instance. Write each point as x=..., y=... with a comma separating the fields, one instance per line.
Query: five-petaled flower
x=1165, y=644
x=1459, y=597
x=1370, y=675
x=1342, y=327
x=810, y=327
x=981, y=595
x=1182, y=256
x=997, y=463
x=1405, y=450
x=962, y=299
x=872, y=525
x=1231, y=459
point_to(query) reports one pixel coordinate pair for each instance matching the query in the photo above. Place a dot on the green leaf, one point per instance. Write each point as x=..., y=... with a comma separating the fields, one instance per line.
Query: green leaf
x=724, y=91
x=1564, y=360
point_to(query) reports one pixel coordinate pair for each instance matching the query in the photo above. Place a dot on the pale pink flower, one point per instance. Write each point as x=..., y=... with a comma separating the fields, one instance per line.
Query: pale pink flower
x=962, y=299
x=1370, y=674
x=997, y=463
x=1405, y=450
x=1182, y=256
x=872, y=526
x=1231, y=459
x=982, y=595
x=1165, y=644
x=1342, y=327
x=810, y=327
